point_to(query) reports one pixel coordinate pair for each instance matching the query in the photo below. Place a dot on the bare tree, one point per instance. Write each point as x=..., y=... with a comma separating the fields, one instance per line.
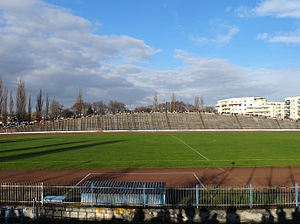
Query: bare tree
x=29, y=109
x=55, y=109
x=146, y=109
x=173, y=103
x=39, y=105
x=202, y=103
x=164, y=107
x=189, y=107
x=21, y=101
x=155, y=104
x=117, y=107
x=181, y=106
x=196, y=104
x=1, y=94
x=99, y=107
x=4, y=106
x=67, y=113
x=210, y=110
x=47, y=107
x=11, y=105
x=85, y=108
x=78, y=106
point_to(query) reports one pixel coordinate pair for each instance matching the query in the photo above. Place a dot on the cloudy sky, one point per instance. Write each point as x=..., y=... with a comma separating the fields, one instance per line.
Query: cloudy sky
x=128, y=50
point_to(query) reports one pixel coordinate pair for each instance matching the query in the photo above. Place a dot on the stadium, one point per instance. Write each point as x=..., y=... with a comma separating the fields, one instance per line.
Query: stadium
x=149, y=111
x=152, y=141
x=179, y=153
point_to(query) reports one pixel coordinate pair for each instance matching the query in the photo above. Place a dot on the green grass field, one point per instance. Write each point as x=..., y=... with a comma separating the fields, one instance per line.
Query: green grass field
x=85, y=151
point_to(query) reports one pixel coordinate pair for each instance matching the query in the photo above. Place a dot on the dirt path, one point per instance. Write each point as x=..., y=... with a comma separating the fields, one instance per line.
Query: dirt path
x=173, y=177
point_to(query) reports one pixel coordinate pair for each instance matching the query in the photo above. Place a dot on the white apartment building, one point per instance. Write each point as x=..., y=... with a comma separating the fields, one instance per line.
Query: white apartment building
x=256, y=106
x=292, y=108
x=276, y=109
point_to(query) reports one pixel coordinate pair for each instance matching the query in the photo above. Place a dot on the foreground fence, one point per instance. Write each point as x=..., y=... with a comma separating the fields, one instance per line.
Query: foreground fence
x=285, y=196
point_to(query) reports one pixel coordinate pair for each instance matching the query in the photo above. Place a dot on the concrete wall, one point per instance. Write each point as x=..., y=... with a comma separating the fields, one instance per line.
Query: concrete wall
x=140, y=214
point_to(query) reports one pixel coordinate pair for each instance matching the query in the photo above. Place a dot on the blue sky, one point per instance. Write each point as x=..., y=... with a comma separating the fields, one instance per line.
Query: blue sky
x=130, y=50
x=169, y=25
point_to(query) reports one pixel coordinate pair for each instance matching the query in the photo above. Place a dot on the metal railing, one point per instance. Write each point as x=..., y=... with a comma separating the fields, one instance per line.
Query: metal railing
x=248, y=196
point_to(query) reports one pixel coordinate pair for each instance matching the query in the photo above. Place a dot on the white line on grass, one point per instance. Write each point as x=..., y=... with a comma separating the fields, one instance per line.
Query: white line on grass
x=189, y=147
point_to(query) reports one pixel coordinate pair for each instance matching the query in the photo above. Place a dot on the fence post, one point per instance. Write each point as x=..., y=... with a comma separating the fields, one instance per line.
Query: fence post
x=42, y=193
x=6, y=215
x=197, y=196
x=144, y=194
x=33, y=208
x=22, y=215
x=251, y=196
x=296, y=194
x=92, y=193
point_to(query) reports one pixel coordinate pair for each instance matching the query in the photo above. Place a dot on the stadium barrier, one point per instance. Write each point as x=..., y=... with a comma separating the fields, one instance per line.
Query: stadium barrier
x=209, y=197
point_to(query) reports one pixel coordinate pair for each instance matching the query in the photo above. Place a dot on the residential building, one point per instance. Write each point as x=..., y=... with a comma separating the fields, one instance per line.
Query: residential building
x=292, y=108
x=276, y=109
x=255, y=106
x=242, y=105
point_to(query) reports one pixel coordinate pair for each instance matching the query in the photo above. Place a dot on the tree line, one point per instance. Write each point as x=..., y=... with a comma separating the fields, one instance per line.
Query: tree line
x=175, y=106
x=20, y=109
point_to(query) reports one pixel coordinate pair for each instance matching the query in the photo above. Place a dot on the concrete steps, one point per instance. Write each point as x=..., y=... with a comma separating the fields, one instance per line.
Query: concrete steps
x=160, y=121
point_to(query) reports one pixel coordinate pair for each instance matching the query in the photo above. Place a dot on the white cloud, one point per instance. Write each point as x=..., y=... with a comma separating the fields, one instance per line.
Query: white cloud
x=279, y=8
x=293, y=37
x=287, y=38
x=262, y=36
x=228, y=9
x=243, y=11
x=231, y=31
x=58, y=52
x=213, y=78
x=276, y=8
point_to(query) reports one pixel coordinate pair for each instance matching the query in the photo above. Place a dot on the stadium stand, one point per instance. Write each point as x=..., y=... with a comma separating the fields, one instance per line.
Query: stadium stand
x=216, y=121
x=158, y=121
x=287, y=124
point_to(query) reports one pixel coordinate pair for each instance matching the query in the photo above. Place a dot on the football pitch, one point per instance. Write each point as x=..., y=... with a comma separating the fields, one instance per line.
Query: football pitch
x=150, y=150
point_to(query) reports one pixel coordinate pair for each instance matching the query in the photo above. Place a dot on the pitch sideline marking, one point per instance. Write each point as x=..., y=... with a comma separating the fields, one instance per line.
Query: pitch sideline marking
x=172, y=160
x=86, y=176
x=199, y=181
x=189, y=147
x=155, y=130
x=144, y=173
x=194, y=174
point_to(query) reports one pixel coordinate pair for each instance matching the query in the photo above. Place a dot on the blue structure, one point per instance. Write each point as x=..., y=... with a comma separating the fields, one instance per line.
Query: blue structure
x=125, y=193
x=54, y=199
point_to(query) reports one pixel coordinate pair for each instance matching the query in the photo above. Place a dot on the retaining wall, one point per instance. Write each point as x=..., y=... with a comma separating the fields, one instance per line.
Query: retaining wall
x=278, y=215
